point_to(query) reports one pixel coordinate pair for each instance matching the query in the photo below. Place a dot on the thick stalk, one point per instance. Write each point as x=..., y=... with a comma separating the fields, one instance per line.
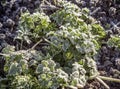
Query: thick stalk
x=109, y=79
x=102, y=82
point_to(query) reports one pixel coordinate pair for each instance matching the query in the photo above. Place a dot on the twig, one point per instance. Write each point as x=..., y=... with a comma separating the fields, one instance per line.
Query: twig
x=95, y=11
x=72, y=87
x=15, y=53
x=114, y=25
x=94, y=76
x=21, y=44
x=2, y=54
x=55, y=2
x=43, y=1
x=33, y=47
x=49, y=7
x=109, y=79
x=50, y=42
x=47, y=2
x=102, y=82
x=21, y=51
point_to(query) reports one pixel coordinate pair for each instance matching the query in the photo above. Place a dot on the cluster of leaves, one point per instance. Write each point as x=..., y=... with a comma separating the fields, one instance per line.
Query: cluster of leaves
x=33, y=70
x=33, y=26
x=73, y=38
x=114, y=41
x=76, y=37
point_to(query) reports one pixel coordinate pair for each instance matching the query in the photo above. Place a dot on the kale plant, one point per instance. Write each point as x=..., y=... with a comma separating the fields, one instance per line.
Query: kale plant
x=73, y=39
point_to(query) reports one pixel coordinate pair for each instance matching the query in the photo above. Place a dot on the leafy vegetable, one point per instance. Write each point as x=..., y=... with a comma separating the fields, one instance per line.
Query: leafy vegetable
x=72, y=42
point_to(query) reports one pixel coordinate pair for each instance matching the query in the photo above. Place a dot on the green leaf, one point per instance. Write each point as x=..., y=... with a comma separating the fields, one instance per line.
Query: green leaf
x=39, y=68
x=97, y=29
x=14, y=69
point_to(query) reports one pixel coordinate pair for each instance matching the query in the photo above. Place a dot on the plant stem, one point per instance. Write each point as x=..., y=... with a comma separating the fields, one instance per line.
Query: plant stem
x=50, y=43
x=102, y=82
x=95, y=11
x=2, y=54
x=109, y=79
x=36, y=44
x=21, y=44
x=49, y=7
x=55, y=2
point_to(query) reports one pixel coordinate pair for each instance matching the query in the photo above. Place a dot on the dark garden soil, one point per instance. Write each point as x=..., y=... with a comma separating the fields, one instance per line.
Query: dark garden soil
x=107, y=12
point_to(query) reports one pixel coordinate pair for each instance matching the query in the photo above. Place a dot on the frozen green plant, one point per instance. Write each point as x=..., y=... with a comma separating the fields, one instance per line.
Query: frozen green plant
x=78, y=75
x=75, y=38
x=72, y=37
x=23, y=82
x=33, y=26
x=114, y=41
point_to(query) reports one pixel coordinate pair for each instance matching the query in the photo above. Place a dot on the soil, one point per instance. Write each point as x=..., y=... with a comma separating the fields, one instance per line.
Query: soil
x=107, y=12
